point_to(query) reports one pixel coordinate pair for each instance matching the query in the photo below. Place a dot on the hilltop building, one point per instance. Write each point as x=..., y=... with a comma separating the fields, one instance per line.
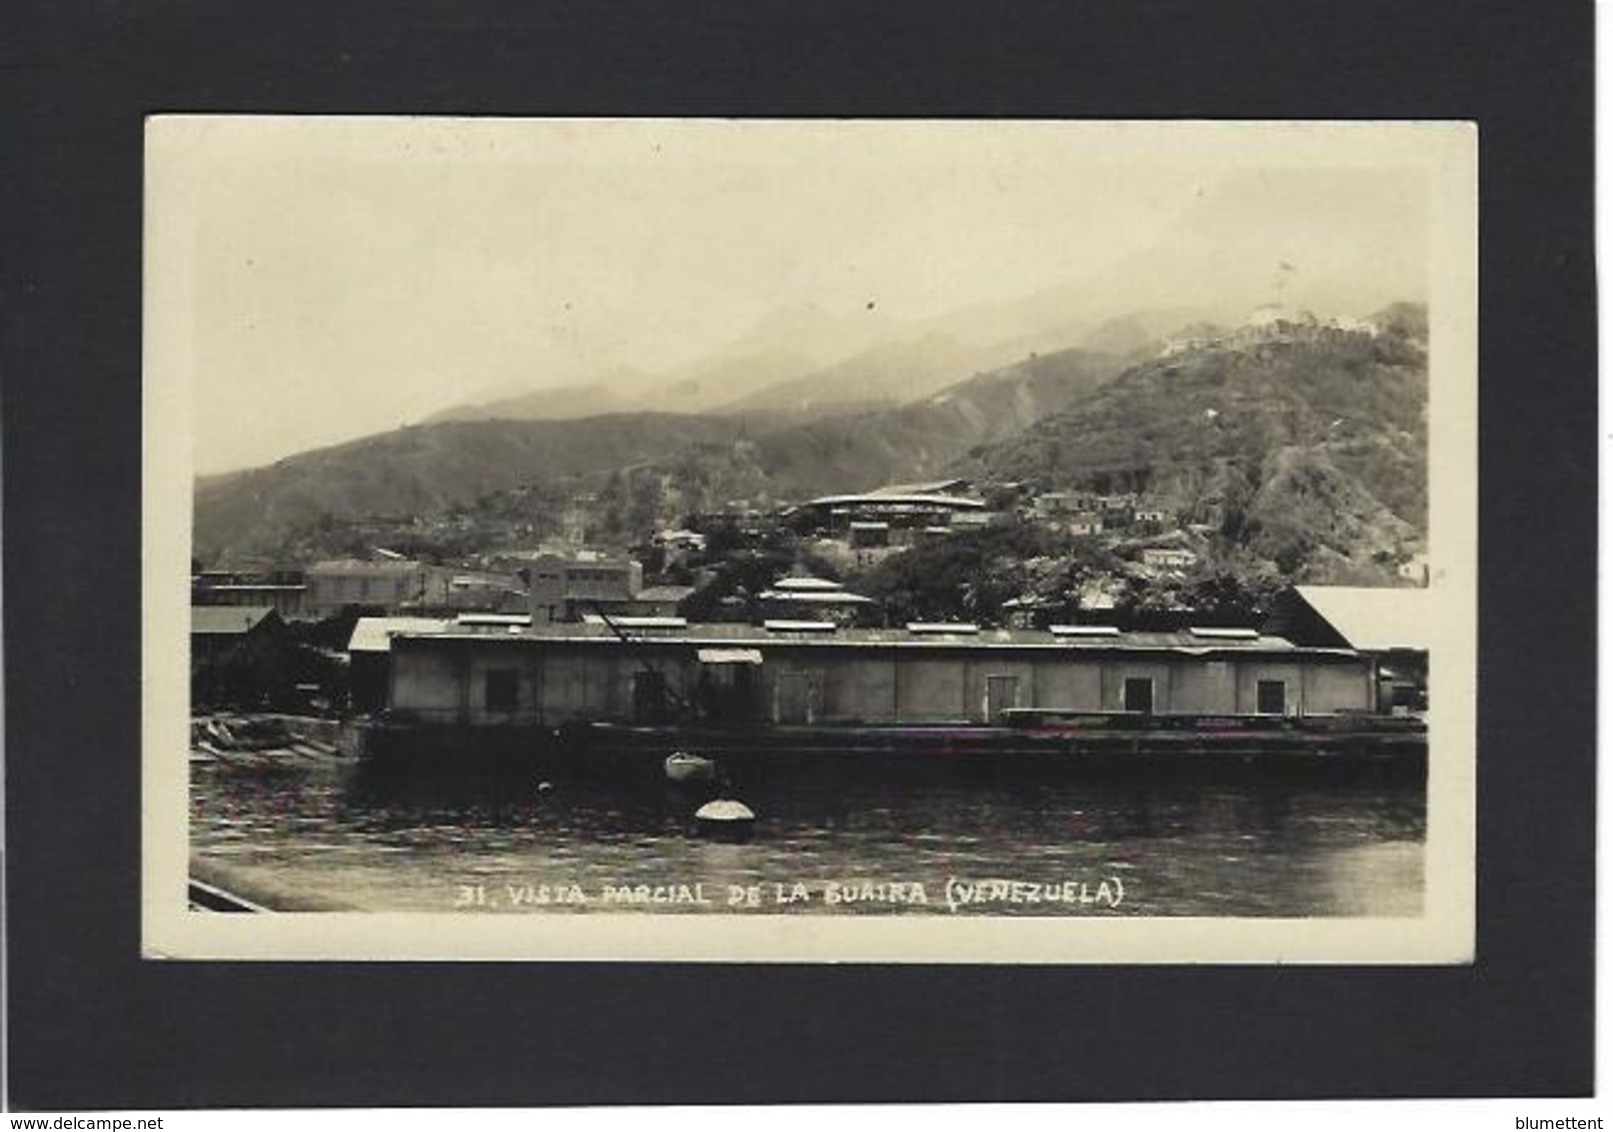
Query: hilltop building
x=871, y=536
x=679, y=539
x=677, y=545
x=1167, y=557
x=903, y=509
x=1054, y=504
x=1084, y=523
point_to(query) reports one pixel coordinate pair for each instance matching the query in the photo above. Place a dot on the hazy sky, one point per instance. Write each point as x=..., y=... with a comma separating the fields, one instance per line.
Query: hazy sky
x=348, y=276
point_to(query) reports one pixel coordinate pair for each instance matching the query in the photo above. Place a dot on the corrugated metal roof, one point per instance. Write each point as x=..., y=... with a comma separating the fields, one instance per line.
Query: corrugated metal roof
x=827, y=635
x=664, y=593
x=805, y=583
x=521, y=619
x=917, y=499
x=1371, y=618
x=226, y=620
x=507, y=581
x=931, y=487
x=349, y=566
x=254, y=587
x=814, y=597
x=374, y=634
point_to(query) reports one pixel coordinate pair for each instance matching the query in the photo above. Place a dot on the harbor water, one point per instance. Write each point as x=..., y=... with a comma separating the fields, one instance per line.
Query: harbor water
x=863, y=838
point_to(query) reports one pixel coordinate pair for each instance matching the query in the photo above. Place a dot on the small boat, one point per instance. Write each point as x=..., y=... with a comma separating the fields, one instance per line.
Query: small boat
x=726, y=818
x=682, y=766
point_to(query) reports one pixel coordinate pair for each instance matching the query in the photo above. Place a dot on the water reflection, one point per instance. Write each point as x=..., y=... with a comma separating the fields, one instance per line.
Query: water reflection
x=1183, y=841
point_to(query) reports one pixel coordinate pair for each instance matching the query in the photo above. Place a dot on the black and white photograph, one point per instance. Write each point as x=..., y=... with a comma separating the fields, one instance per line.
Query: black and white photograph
x=809, y=540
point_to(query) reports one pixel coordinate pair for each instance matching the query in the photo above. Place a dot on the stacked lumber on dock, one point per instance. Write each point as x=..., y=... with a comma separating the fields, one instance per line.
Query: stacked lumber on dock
x=257, y=743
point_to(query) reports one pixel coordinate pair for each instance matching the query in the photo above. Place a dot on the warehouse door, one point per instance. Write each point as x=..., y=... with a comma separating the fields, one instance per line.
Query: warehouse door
x=1002, y=693
x=1140, y=694
x=798, y=697
x=1271, y=697
x=649, y=697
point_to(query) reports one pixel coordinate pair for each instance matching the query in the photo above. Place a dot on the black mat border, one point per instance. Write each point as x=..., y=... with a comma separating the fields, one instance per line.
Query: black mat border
x=90, y=1025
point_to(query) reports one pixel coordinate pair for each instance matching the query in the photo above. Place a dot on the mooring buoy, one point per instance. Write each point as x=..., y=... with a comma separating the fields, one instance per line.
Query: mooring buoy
x=726, y=818
x=683, y=766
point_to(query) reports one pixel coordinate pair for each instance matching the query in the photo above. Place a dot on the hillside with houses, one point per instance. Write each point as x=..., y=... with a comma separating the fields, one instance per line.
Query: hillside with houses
x=1298, y=443
x=1196, y=474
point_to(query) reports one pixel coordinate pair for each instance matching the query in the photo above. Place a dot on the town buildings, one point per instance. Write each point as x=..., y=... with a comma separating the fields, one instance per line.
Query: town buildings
x=390, y=583
x=566, y=587
x=899, y=511
x=1388, y=627
x=238, y=654
x=476, y=591
x=369, y=652
x=284, y=591
x=563, y=587
x=1167, y=557
x=216, y=630
x=678, y=543
x=1057, y=504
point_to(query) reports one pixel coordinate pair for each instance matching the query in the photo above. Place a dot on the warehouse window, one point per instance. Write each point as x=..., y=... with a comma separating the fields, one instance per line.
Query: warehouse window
x=649, y=697
x=503, y=689
x=1271, y=697
x=1139, y=694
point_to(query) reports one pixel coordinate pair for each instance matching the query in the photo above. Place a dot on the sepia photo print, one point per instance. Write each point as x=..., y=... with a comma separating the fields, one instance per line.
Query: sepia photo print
x=842, y=540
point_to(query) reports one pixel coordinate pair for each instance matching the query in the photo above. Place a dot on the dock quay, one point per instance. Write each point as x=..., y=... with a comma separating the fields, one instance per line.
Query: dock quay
x=628, y=754
x=1071, y=737
x=564, y=693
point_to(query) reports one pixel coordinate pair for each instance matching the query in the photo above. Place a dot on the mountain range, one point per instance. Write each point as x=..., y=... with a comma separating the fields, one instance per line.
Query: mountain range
x=802, y=358
x=425, y=469
x=1301, y=441
x=767, y=455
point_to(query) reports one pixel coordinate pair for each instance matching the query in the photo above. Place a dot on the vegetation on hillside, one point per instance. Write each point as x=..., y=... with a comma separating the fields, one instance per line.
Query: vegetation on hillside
x=1305, y=444
x=1293, y=450
x=459, y=487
